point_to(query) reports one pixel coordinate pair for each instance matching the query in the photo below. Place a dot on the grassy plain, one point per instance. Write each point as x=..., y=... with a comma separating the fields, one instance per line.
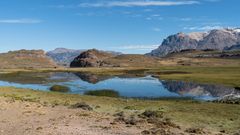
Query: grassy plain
x=186, y=113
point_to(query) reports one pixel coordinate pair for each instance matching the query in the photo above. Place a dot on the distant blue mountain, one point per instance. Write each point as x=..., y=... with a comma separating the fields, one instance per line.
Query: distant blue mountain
x=63, y=56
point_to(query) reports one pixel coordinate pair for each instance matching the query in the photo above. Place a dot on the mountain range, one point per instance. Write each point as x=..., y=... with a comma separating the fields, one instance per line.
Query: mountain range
x=218, y=39
x=98, y=58
x=63, y=56
x=180, y=48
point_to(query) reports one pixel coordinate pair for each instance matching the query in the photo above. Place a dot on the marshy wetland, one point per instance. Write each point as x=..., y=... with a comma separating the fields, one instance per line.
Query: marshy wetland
x=122, y=100
x=134, y=84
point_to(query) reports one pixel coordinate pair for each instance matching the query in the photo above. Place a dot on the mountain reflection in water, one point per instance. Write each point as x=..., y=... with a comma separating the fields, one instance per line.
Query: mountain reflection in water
x=190, y=88
x=128, y=85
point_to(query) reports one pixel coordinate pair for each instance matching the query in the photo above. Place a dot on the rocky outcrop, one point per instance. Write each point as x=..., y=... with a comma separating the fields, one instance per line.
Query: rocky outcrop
x=63, y=56
x=26, y=59
x=218, y=40
x=96, y=58
x=175, y=43
x=232, y=48
x=214, y=40
x=91, y=58
x=229, y=99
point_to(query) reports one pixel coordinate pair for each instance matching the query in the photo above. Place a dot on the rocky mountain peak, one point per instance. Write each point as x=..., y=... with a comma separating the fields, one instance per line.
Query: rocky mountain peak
x=197, y=35
x=180, y=34
x=62, y=50
x=63, y=56
x=237, y=30
x=216, y=39
x=90, y=58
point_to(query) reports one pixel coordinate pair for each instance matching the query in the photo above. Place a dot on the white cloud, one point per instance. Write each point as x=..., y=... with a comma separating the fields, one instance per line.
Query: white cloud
x=86, y=14
x=212, y=0
x=137, y=47
x=148, y=10
x=62, y=6
x=185, y=19
x=137, y=3
x=148, y=18
x=136, y=15
x=20, y=21
x=155, y=15
x=203, y=28
x=156, y=29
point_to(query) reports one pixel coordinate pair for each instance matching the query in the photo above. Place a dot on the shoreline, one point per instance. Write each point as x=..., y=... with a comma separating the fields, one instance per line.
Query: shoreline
x=225, y=75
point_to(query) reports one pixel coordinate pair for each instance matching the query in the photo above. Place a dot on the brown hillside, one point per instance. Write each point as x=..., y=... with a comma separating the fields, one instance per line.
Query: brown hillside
x=133, y=60
x=96, y=58
x=91, y=58
x=25, y=59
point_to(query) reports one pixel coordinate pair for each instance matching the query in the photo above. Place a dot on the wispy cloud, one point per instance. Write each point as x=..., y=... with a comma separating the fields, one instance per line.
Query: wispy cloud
x=137, y=47
x=185, y=19
x=154, y=17
x=148, y=10
x=62, y=6
x=148, y=18
x=203, y=28
x=212, y=0
x=156, y=29
x=20, y=21
x=137, y=3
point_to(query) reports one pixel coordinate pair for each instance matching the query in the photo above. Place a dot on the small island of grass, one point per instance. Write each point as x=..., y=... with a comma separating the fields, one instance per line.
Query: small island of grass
x=105, y=93
x=59, y=88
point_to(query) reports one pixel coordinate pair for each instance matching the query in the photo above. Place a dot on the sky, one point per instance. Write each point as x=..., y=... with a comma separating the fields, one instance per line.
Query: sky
x=128, y=26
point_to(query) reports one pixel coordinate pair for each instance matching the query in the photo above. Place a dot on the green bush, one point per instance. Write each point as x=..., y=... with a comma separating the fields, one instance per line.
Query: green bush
x=105, y=93
x=59, y=88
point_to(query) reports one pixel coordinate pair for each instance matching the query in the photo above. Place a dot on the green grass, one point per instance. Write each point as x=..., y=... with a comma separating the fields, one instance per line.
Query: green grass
x=214, y=75
x=105, y=93
x=59, y=88
x=187, y=113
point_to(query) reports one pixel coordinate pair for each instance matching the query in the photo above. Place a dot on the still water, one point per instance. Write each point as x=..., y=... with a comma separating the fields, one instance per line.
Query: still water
x=126, y=86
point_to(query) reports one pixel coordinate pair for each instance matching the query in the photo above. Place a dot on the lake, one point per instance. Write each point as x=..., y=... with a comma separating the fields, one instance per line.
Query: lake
x=128, y=86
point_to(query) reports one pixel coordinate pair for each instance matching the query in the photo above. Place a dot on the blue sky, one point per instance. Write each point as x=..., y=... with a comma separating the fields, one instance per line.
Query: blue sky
x=130, y=26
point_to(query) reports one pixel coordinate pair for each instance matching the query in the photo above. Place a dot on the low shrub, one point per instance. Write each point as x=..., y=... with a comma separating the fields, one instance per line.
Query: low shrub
x=105, y=93
x=59, y=88
x=82, y=105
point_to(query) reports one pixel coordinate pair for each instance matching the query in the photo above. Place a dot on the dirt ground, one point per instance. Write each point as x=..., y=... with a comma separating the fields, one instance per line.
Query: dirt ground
x=27, y=118
x=19, y=117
